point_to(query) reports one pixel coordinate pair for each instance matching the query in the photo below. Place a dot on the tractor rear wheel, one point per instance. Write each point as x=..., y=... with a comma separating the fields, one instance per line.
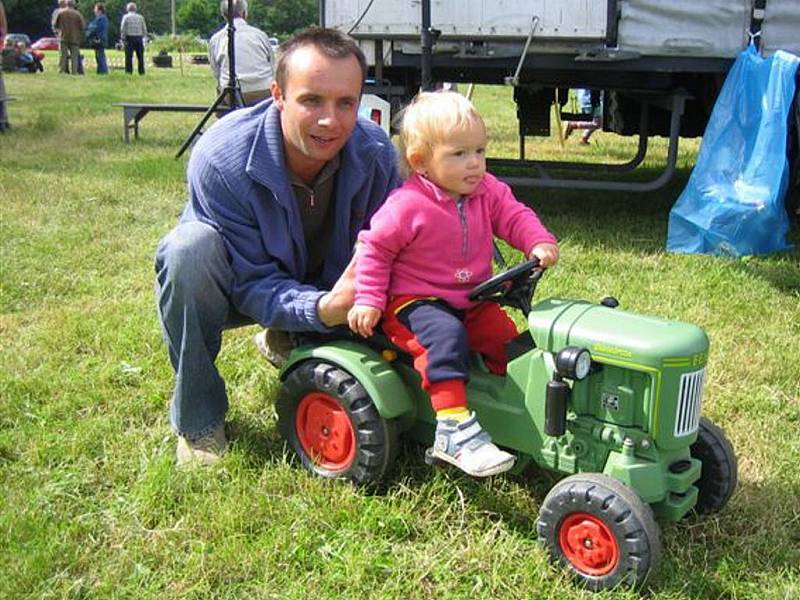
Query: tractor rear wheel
x=332, y=424
x=719, y=476
x=601, y=529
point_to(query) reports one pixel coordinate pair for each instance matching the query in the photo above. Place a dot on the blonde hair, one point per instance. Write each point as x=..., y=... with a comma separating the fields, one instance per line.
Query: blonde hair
x=430, y=119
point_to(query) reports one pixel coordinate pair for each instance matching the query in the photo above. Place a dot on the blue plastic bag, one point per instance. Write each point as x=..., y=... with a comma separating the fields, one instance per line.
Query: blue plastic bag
x=733, y=203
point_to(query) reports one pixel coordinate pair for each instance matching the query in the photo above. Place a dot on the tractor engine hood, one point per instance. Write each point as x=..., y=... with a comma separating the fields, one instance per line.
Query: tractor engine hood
x=616, y=335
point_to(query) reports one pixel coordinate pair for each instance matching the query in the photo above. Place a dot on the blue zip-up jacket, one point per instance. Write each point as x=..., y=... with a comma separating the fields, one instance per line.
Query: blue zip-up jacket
x=99, y=27
x=238, y=184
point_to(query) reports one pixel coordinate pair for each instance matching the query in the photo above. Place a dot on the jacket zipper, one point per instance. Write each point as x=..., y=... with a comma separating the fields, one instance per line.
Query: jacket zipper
x=462, y=217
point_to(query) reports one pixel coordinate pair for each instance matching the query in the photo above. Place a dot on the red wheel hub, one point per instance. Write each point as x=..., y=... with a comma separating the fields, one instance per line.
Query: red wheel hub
x=588, y=543
x=325, y=431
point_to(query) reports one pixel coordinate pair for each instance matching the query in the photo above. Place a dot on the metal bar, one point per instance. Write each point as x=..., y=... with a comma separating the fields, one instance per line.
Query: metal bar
x=426, y=41
x=678, y=101
x=515, y=79
x=625, y=167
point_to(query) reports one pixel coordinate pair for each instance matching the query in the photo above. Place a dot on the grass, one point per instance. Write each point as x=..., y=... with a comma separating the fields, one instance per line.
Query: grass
x=93, y=507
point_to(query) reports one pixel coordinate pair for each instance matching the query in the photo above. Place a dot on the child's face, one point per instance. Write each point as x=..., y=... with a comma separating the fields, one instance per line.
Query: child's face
x=459, y=163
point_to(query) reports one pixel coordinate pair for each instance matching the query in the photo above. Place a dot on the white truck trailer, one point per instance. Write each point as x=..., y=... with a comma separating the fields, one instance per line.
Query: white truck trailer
x=660, y=63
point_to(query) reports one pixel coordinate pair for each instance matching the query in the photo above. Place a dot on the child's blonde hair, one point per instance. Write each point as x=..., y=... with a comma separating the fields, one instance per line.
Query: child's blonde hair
x=429, y=120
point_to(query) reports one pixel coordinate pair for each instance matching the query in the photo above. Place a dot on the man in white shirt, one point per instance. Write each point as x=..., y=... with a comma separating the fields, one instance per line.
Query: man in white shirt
x=133, y=31
x=254, y=59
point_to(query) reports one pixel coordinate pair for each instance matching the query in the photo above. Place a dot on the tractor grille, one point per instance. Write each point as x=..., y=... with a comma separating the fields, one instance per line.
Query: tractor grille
x=689, y=397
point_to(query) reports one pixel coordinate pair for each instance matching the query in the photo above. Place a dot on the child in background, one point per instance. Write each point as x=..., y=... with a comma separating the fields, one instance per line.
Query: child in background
x=591, y=104
x=427, y=247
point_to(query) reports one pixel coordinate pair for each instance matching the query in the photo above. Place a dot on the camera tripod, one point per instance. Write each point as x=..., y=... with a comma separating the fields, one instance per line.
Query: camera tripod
x=230, y=97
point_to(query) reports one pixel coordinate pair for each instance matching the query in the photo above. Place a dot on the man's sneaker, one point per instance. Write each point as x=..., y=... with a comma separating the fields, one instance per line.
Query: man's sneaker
x=275, y=345
x=205, y=451
x=467, y=446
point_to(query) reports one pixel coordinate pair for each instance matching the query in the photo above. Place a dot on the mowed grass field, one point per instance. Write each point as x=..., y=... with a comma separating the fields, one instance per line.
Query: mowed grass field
x=91, y=505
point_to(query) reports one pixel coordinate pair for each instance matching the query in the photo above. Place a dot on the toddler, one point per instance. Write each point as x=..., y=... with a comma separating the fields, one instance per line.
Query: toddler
x=428, y=245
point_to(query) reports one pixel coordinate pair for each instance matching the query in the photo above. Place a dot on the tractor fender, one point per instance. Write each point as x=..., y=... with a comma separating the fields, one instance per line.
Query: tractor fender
x=385, y=387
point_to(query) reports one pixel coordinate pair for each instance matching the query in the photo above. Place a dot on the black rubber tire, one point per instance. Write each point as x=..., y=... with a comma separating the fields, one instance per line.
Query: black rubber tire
x=719, y=474
x=628, y=519
x=375, y=437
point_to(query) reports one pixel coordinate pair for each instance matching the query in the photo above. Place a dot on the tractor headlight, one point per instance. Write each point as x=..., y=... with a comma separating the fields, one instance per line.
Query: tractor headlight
x=573, y=362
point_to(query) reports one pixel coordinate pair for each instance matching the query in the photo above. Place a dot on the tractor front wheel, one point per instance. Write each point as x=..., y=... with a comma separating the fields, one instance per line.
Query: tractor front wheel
x=718, y=476
x=601, y=529
x=332, y=424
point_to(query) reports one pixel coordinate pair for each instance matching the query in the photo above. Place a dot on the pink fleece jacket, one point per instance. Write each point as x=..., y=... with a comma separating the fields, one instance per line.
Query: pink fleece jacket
x=421, y=242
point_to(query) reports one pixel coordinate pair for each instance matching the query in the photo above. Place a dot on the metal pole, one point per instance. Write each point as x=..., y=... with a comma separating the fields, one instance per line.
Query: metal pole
x=426, y=38
x=172, y=15
x=231, y=54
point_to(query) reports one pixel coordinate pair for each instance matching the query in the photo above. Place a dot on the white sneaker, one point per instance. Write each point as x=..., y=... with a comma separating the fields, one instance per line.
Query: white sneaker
x=467, y=446
x=204, y=451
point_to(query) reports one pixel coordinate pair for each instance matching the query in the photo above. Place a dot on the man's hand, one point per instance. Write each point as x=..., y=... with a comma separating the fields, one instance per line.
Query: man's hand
x=362, y=319
x=333, y=306
x=546, y=253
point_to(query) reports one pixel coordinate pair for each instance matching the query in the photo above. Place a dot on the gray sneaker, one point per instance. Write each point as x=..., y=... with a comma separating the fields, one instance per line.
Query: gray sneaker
x=204, y=451
x=467, y=446
x=275, y=345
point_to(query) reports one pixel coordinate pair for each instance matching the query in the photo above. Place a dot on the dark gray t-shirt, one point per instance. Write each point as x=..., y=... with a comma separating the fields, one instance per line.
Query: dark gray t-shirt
x=317, y=205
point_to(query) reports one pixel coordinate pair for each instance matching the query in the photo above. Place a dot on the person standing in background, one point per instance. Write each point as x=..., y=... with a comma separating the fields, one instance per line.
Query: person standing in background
x=132, y=31
x=3, y=30
x=54, y=14
x=70, y=25
x=591, y=105
x=254, y=57
x=97, y=36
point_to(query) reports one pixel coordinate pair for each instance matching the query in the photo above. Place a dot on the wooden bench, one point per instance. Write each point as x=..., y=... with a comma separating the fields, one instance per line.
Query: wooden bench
x=133, y=112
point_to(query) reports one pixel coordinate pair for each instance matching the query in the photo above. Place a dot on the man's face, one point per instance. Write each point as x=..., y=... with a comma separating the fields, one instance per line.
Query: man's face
x=319, y=108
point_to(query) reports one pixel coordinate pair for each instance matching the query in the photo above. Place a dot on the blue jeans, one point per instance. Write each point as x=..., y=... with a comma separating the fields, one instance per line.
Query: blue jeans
x=193, y=286
x=100, y=58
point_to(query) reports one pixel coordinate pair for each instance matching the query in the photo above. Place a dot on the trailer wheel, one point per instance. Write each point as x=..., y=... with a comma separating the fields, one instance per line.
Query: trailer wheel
x=330, y=421
x=601, y=530
x=719, y=473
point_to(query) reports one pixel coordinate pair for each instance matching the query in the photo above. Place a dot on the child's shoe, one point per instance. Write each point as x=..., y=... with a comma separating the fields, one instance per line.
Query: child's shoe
x=467, y=446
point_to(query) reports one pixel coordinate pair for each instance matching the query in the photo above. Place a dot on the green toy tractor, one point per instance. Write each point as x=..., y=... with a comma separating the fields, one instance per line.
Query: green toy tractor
x=609, y=398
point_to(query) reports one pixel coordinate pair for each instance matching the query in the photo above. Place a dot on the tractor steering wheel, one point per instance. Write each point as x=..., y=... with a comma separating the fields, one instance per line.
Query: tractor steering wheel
x=514, y=287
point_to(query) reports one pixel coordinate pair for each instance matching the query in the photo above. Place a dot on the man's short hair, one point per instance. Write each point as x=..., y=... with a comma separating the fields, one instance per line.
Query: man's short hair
x=330, y=42
x=131, y=7
x=239, y=9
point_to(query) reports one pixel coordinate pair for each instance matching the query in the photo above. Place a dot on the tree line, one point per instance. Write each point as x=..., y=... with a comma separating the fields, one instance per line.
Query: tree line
x=279, y=18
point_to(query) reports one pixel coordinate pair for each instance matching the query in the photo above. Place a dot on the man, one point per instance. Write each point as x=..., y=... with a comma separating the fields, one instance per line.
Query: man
x=54, y=14
x=277, y=195
x=253, y=55
x=70, y=24
x=133, y=31
x=97, y=36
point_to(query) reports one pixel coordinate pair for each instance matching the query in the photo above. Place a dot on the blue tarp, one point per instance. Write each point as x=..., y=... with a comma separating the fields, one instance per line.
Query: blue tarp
x=733, y=204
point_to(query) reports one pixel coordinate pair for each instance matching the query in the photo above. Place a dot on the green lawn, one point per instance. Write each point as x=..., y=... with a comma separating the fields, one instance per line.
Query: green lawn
x=91, y=505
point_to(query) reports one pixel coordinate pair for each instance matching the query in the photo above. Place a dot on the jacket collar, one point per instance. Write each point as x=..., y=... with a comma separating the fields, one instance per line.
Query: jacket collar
x=266, y=163
x=430, y=189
